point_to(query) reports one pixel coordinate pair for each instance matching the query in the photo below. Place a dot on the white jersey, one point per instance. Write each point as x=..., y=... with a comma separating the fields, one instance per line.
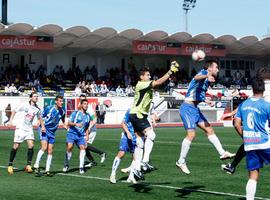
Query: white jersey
x=92, y=114
x=29, y=113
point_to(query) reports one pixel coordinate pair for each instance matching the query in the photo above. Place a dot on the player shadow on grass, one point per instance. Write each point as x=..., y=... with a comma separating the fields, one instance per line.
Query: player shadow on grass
x=145, y=187
x=141, y=187
x=185, y=191
x=42, y=173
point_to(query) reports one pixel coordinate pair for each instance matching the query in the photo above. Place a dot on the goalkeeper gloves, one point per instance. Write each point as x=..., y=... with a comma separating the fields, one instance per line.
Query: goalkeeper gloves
x=174, y=67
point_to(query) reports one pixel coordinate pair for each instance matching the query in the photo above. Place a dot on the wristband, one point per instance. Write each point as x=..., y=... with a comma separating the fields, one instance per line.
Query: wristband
x=169, y=72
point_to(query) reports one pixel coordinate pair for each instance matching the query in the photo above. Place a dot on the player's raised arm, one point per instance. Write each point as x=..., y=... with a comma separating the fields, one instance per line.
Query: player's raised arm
x=173, y=69
x=208, y=76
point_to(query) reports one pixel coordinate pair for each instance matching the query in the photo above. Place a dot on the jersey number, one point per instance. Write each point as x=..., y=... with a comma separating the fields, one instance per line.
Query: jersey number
x=250, y=120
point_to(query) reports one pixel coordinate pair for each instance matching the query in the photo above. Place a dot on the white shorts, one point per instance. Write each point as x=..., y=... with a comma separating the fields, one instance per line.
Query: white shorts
x=92, y=136
x=22, y=135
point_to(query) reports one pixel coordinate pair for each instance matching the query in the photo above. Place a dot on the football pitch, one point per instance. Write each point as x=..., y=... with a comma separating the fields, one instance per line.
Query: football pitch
x=206, y=180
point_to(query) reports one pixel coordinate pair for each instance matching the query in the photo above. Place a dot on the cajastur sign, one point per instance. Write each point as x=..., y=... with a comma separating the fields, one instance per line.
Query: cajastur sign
x=26, y=42
x=169, y=48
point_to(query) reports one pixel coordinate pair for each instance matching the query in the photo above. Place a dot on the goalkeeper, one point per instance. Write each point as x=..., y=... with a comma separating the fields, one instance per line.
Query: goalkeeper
x=139, y=113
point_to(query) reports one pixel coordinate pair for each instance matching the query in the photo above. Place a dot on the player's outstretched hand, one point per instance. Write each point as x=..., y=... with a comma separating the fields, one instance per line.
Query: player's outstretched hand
x=226, y=115
x=174, y=66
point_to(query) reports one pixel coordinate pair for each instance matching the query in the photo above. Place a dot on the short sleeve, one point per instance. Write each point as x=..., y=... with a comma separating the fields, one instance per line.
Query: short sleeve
x=203, y=72
x=72, y=116
x=45, y=111
x=126, y=117
x=239, y=112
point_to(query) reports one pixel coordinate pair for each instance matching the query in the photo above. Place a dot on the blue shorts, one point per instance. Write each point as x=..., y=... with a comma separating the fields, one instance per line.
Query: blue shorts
x=78, y=140
x=256, y=158
x=127, y=145
x=191, y=115
x=48, y=136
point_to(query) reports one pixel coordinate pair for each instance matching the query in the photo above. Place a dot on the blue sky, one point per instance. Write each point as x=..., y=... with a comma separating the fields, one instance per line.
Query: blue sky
x=218, y=17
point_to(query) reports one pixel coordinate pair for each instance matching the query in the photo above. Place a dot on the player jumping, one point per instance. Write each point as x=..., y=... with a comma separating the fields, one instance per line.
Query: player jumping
x=139, y=114
x=192, y=116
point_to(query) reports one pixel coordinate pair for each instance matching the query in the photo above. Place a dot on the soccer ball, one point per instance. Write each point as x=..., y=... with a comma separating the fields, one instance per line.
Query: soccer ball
x=198, y=55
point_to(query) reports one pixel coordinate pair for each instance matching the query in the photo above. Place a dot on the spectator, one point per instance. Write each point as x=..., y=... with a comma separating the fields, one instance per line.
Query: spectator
x=13, y=88
x=93, y=87
x=119, y=91
x=103, y=89
x=7, y=89
x=101, y=111
x=129, y=91
x=77, y=91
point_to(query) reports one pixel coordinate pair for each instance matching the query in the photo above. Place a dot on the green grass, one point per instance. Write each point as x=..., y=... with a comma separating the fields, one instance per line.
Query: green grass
x=165, y=183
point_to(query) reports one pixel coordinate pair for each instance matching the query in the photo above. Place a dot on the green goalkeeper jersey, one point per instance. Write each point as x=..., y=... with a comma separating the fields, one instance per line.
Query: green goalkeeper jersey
x=142, y=99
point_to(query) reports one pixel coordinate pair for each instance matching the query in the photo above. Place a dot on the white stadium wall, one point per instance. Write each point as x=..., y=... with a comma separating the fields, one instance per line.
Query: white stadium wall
x=114, y=114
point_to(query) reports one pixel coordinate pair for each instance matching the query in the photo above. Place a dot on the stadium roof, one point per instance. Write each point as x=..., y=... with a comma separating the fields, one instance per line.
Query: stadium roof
x=108, y=40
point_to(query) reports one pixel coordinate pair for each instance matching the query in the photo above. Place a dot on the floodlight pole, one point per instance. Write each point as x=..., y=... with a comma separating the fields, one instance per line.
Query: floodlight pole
x=186, y=20
x=187, y=5
x=4, y=12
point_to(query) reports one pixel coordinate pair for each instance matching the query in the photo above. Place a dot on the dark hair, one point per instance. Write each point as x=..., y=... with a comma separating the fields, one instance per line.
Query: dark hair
x=83, y=100
x=58, y=97
x=143, y=70
x=32, y=94
x=263, y=73
x=257, y=85
x=82, y=95
x=208, y=63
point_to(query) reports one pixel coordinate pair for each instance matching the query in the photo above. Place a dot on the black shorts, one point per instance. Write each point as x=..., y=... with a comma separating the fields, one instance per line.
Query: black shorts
x=139, y=124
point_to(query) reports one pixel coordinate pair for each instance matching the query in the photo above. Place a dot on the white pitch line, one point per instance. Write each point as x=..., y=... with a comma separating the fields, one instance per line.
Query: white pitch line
x=159, y=186
x=164, y=186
